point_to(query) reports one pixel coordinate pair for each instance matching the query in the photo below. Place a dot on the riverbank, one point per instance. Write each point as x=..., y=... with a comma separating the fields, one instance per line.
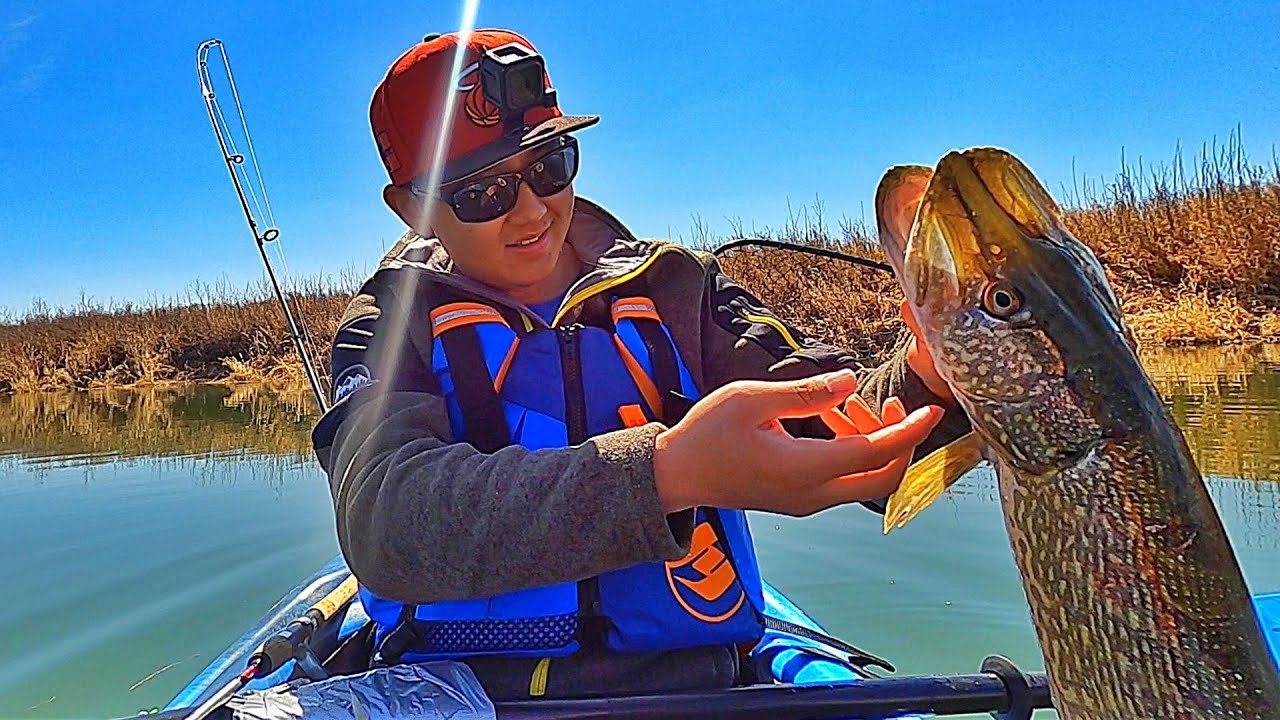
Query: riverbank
x=223, y=336
x=1193, y=255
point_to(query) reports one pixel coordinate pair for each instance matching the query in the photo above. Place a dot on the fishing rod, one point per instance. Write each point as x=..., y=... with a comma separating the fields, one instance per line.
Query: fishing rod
x=291, y=643
x=808, y=249
x=235, y=165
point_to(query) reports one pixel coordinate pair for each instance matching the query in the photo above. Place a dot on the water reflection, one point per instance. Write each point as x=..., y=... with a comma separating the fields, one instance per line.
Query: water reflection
x=89, y=429
x=148, y=522
x=1227, y=402
x=147, y=530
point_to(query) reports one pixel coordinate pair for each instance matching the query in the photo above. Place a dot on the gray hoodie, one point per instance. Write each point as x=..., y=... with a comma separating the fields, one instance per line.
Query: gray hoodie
x=423, y=517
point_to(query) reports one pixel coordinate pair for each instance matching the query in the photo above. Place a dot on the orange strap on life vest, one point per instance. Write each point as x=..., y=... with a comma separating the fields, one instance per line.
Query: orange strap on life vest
x=637, y=308
x=461, y=314
x=632, y=416
x=452, y=315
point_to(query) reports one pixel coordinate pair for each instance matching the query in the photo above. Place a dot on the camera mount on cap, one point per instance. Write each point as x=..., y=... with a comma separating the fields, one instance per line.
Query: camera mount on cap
x=512, y=78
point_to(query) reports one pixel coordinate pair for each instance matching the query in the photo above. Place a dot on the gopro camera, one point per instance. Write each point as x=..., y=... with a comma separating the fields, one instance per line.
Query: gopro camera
x=512, y=78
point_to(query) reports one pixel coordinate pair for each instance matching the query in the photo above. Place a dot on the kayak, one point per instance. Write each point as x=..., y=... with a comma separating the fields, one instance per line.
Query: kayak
x=811, y=673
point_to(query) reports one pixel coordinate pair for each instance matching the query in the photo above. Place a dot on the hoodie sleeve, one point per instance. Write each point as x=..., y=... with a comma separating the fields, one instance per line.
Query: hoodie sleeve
x=423, y=518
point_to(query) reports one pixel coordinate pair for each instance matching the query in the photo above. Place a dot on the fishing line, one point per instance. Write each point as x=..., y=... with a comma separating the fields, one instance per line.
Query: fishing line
x=263, y=203
x=225, y=128
x=247, y=195
x=248, y=139
x=820, y=252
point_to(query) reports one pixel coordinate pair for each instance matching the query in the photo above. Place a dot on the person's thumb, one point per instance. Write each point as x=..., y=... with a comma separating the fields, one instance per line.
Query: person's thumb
x=801, y=398
x=862, y=453
x=902, y=436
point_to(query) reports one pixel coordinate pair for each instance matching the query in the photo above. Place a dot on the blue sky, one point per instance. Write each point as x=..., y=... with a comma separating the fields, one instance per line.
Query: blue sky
x=111, y=184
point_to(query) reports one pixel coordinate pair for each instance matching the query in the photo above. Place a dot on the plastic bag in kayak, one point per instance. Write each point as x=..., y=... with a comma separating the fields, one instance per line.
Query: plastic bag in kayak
x=425, y=691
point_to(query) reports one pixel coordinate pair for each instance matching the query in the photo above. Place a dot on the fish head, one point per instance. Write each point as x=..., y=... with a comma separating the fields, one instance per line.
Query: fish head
x=1016, y=312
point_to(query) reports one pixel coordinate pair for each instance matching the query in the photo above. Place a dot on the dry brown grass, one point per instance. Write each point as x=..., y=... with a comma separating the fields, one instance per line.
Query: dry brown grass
x=852, y=306
x=1194, y=257
x=215, y=335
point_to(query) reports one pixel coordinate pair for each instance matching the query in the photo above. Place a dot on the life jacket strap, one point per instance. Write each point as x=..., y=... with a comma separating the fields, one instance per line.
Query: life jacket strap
x=401, y=637
x=483, y=420
x=632, y=416
x=663, y=391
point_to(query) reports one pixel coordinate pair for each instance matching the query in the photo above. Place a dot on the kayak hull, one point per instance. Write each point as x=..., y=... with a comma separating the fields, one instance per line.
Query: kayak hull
x=791, y=659
x=804, y=670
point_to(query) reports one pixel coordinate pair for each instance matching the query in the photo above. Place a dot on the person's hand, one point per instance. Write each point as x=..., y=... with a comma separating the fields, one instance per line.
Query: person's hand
x=860, y=418
x=731, y=451
x=920, y=360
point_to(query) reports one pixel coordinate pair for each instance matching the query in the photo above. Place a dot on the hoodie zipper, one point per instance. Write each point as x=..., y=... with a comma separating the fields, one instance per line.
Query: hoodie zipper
x=575, y=399
x=592, y=627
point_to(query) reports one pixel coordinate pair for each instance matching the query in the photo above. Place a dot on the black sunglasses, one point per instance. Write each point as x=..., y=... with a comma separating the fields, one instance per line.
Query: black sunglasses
x=489, y=198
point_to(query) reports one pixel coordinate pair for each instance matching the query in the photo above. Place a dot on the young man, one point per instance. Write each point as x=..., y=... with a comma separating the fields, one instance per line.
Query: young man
x=546, y=431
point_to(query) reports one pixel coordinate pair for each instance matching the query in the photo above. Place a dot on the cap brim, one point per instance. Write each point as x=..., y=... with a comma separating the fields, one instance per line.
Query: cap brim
x=494, y=153
x=555, y=127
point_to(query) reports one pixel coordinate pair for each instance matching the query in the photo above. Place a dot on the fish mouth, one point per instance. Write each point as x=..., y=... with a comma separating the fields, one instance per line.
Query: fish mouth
x=981, y=213
x=982, y=217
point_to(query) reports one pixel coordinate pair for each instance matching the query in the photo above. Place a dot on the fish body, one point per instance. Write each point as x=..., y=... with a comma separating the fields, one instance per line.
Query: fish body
x=1137, y=599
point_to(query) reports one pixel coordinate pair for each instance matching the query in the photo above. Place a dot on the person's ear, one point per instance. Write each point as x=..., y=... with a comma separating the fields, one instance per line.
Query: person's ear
x=412, y=209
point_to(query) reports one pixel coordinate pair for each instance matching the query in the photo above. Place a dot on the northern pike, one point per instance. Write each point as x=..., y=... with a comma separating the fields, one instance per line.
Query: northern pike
x=1137, y=599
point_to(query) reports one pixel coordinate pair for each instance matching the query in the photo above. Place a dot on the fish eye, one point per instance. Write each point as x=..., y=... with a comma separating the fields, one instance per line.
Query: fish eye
x=1001, y=299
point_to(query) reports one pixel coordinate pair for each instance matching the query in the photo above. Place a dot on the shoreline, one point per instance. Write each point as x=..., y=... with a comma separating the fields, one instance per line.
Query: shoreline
x=1181, y=324
x=1194, y=258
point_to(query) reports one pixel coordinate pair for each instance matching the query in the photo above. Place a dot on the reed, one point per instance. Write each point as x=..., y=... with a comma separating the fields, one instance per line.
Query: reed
x=1192, y=248
x=1194, y=255
x=214, y=333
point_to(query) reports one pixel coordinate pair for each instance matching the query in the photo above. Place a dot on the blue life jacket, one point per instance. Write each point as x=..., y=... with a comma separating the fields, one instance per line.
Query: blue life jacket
x=713, y=596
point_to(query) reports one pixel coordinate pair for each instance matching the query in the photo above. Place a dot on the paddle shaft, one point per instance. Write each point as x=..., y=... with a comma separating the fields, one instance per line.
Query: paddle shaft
x=883, y=697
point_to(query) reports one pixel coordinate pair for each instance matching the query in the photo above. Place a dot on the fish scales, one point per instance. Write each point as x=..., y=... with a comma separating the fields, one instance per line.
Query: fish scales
x=1127, y=599
x=1137, y=599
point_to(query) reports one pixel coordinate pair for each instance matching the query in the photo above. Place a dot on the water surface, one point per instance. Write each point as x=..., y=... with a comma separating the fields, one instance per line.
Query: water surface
x=144, y=531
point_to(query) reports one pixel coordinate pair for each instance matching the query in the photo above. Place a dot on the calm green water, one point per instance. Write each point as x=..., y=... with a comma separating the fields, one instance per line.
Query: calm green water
x=143, y=532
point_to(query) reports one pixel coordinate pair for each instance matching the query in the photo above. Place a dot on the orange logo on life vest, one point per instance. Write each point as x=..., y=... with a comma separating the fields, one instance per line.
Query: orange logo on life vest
x=701, y=580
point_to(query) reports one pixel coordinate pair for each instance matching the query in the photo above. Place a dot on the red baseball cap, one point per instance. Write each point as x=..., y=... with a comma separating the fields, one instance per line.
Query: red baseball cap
x=408, y=107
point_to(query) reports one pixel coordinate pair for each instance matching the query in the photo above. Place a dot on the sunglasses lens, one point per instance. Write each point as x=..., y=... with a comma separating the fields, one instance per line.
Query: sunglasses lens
x=491, y=198
x=486, y=199
x=554, y=172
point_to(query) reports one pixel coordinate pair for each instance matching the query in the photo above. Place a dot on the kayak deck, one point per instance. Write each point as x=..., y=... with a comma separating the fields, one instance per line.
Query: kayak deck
x=807, y=673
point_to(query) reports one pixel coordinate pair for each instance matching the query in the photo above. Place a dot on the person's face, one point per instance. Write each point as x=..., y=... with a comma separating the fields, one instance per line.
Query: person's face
x=521, y=252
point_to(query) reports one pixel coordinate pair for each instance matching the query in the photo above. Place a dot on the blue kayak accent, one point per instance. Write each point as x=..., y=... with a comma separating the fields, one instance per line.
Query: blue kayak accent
x=794, y=659
x=798, y=660
x=1268, y=608
x=235, y=658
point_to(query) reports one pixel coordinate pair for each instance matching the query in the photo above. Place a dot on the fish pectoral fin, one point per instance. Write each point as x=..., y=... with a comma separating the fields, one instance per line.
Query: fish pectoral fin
x=926, y=480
